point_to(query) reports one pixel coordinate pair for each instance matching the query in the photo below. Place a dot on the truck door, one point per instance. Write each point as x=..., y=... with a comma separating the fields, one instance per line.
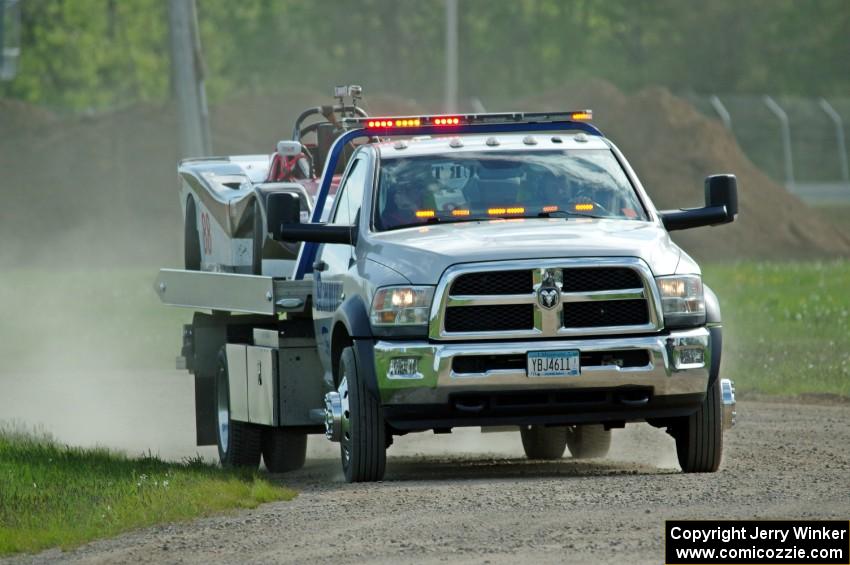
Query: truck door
x=333, y=261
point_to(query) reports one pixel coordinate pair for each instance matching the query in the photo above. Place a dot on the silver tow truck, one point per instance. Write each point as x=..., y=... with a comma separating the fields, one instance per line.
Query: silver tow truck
x=490, y=270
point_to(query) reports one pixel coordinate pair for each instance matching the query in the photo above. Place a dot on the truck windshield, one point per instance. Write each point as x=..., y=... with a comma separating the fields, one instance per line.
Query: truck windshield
x=469, y=186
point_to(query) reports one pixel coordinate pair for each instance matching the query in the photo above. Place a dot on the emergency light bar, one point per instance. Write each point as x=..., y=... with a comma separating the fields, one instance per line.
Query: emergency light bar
x=387, y=123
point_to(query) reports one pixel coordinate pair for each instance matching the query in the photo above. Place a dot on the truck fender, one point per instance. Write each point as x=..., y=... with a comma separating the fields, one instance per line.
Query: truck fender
x=715, y=329
x=712, y=306
x=353, y=314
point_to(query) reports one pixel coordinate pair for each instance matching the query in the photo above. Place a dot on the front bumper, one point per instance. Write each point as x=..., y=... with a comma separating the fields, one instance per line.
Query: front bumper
x=670, y=384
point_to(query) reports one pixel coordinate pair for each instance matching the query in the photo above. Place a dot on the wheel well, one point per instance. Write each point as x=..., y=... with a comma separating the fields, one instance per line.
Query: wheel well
x=340, y=339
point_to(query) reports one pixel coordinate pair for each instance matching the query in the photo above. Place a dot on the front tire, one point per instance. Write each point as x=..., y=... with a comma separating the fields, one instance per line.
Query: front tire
x=541, y=442
x=588, y=441
x=363, y=443
x=239, y=443
x=699, y=437
x=191, y=238
x=284, y=450
x=258, y=240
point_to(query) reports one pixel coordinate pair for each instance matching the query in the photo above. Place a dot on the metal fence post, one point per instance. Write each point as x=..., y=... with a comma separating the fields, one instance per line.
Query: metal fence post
x=10, y=38
x=721, y=110
x=451, y=57
x=786, y=139
x=839, y=134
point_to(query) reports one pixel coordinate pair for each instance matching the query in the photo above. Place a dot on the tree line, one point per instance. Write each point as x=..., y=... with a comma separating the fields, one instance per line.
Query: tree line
x=79, y=55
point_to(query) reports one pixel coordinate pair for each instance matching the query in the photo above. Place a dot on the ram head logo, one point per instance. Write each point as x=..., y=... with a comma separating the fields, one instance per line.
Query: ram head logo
x=549, y=295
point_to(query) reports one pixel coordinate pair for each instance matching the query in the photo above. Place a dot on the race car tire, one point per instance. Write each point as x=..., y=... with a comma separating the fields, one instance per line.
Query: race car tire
x=258, y=240
x=363, y=448
x=239, y=443
x=699, y=437
x=284, y=450
x=588, y=441
x=541, y=442
x=191, y=238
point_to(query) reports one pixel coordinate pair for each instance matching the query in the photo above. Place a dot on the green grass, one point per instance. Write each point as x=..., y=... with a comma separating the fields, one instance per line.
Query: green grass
x=52, y=495
x=787, y=325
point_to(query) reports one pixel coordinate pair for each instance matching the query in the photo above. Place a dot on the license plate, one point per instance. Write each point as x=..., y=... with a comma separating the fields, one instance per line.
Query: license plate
x=564, y=363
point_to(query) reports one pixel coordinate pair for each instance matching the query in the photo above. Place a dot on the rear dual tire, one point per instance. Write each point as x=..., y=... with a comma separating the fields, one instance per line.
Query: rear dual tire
x=549, y=443
x=239, y=443
x=588, y=441
x=242, y=444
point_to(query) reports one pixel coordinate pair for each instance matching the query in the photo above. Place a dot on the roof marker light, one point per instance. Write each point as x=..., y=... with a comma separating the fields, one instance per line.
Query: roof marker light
x=425, y=213
x=460, y=212
x=550, y=208
x=502, y=211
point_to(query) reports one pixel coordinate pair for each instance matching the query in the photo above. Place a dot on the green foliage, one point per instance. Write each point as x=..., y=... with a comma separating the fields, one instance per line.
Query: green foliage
x=106, y=53
x=92, y=53
x=52, y=495
x=787, y=326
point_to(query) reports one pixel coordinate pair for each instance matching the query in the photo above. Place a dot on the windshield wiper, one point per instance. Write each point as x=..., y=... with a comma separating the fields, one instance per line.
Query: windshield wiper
x=568, y=214
x=436, y=220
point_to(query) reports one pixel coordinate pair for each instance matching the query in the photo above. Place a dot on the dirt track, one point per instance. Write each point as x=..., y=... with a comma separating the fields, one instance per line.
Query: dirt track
x=472, y=498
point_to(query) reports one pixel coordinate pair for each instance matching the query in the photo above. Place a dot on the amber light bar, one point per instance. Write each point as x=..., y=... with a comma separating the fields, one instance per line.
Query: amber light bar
x=503, y=211
x=389, y=122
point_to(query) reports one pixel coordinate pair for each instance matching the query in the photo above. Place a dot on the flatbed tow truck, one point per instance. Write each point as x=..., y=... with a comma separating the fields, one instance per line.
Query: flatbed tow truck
x=463, y=270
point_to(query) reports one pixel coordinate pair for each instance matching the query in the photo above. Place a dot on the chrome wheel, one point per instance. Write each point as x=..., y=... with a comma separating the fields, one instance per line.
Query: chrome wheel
x=344, y=422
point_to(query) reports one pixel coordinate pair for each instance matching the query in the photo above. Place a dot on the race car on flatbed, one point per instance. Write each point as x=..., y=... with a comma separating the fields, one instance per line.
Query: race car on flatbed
x=473, y=270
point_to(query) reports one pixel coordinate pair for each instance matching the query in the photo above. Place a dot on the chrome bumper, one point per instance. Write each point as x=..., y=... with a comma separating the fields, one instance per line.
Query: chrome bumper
x=434, y=381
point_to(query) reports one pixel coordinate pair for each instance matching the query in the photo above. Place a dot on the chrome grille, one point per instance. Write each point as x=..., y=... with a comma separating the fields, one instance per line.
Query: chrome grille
x=595, y=296
x=605, y=313
x=497, y=282
x=609, y=278
x=490, y=318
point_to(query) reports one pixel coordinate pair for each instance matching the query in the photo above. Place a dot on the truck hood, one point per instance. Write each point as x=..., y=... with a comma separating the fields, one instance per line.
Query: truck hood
x=423, y=253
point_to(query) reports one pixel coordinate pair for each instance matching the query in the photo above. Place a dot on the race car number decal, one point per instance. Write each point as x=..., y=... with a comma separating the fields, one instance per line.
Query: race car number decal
x=206, y=232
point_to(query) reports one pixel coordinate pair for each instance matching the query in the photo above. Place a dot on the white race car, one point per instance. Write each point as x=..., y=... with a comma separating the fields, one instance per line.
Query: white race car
x=224, y=199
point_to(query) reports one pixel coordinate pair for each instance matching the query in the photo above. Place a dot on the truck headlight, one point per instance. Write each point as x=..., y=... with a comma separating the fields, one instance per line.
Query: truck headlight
x=401, y=306
x=682, y=300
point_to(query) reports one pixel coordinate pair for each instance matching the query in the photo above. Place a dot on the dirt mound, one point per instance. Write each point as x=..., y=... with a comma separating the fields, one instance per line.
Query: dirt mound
x=104, y=189
x=672, y=147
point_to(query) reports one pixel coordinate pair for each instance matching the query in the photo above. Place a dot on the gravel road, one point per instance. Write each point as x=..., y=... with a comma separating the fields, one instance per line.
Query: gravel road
x=472, y=498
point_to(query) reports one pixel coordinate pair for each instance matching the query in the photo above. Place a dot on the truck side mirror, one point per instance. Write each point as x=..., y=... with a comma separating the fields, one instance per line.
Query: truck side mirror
x=319, y=233
x=282, y=208
x=283, y=211
x=721, y=206
x=722, y=190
